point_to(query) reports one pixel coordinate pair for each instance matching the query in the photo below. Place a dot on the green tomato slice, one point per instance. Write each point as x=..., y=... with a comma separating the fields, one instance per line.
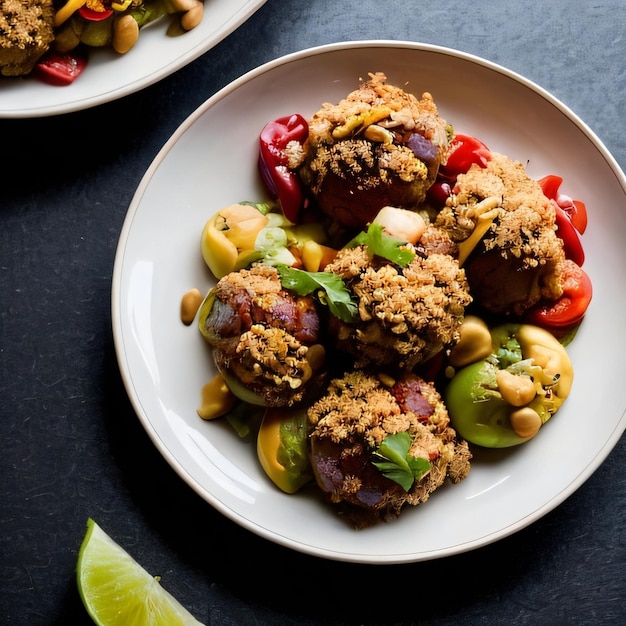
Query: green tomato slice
x=477, y=411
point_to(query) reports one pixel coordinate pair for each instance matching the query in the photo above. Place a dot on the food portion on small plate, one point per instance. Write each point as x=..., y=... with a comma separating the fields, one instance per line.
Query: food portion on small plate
x=166, y=364
x=81, y=53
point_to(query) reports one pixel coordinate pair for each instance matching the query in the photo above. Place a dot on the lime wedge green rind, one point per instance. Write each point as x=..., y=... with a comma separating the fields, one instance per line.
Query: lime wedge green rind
x=116, y=590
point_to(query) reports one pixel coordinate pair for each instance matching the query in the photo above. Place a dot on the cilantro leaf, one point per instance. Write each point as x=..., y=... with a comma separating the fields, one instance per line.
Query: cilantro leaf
x=330, y=289
x=384, y=245
x=396, y=463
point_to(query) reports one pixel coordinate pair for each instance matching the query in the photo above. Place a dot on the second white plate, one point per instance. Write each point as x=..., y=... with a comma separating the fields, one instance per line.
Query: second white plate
x=109, y=76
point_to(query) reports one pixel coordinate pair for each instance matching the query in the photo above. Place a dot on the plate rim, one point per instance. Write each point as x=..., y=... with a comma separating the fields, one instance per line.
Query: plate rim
x=243, y=13
x=116, y=296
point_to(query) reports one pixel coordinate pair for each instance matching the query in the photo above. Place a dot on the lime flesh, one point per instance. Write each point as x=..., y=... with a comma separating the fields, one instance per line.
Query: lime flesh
x=115, y=589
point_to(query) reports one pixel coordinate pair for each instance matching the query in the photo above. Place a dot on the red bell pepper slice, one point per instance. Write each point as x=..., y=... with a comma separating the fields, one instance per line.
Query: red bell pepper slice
x=570, y=308
x=60, y=69
x=464, y=152
x=575, y=209
x=280, y=181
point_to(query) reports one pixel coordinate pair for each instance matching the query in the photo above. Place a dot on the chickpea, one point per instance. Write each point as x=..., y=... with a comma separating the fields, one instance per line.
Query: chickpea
x=516, y=390
x=474, y=342
x=189, y=306
x=525, y=422
x=125, y=34
x=193, y=16
x=182, y=6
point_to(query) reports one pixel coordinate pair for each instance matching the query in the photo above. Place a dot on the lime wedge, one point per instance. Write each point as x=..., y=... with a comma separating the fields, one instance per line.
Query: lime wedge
x=115, y=589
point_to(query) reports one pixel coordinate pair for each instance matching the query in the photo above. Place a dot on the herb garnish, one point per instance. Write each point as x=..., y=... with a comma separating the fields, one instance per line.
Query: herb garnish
x=384, y=245
x=330, y=289
x=397, y=464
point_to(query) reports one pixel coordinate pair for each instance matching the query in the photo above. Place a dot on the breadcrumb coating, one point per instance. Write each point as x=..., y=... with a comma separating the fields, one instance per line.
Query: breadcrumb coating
x=518, y=261
x=405, y=110
x=357, y=158
x=349, y=423
x=405, y=315
x=525, y=227
x=269, y=359
x=262, y=336
x=26, y=33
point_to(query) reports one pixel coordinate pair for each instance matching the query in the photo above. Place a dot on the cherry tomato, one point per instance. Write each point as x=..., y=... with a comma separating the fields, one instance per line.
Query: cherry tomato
x=570, y=308
x=438, y=193
x=94, y=16
x=566, y=232
x=464, y=152
x=575, y=209
x=60, y=69
x=577, y=212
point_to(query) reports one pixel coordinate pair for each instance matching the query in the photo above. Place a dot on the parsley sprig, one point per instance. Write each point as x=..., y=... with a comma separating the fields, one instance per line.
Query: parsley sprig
x=397, y=464
x=329, y=288
x=384, y=245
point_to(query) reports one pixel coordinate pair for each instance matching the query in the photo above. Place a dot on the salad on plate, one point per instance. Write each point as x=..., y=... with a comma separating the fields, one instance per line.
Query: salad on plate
x=52, y=38
x=403, y=296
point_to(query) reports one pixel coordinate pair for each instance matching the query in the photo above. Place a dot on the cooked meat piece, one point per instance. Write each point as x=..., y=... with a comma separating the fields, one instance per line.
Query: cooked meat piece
x=405, y=315
x=26, y=33
x=437, y=241
x=263, y=336
x=352, y=420
x=518, y=260
x=379, y=146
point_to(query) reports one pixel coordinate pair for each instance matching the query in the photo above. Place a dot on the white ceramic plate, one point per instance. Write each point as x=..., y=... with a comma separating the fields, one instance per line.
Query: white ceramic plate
x=211, y=162
x=109, y=76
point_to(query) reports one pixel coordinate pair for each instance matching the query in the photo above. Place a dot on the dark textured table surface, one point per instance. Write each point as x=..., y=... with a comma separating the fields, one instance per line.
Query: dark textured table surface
x=72, y=447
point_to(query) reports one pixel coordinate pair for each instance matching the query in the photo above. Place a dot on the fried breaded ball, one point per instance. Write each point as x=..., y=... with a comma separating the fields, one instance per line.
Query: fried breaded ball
x=405, y=314
x=348, y=426
x=519, y=259
x=379, y=146
x=264, y=339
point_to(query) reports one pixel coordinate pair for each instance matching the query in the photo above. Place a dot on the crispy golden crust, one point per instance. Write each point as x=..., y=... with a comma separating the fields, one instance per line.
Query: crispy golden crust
x=404, y=315
x=26, y=32
x=525, y=226
x=518, y=260
x=261, y=335
x=268, y=361
x=259, y=279
x=353, y=418
x=357, y=158
x=409, y=112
